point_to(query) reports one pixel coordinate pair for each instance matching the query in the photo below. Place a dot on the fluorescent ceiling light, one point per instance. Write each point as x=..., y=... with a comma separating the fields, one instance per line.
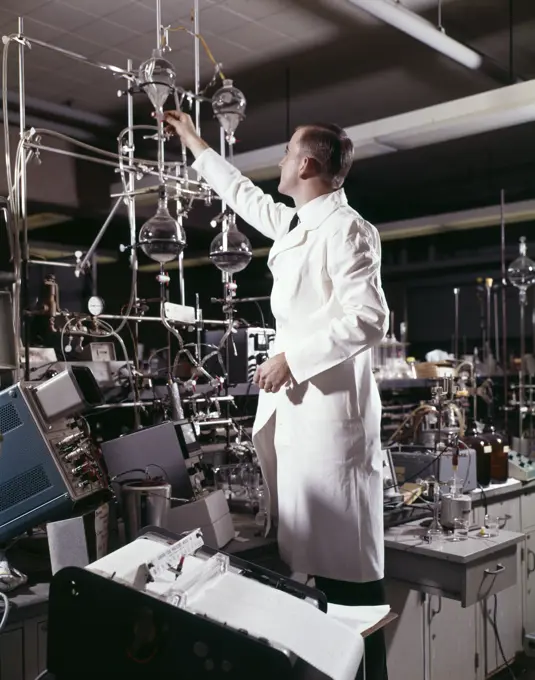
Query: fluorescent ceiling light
x=416, y=26
x=522, y=211
x=484, y=112
x=43, y=220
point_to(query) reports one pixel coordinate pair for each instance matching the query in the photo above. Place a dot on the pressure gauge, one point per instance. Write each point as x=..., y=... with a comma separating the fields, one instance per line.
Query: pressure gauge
x=95, y=305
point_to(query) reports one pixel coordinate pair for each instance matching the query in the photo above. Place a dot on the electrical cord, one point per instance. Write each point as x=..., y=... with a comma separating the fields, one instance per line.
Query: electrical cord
x=419, y=472
x=494, y=625
x=42, y=674
x=7, y=606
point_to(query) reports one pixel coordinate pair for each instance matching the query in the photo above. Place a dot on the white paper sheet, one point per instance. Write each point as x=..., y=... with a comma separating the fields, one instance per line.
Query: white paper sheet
x=326, y=644
x=358, y=619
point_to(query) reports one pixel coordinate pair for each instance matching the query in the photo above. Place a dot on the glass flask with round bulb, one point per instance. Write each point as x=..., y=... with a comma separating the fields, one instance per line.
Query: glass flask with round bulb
x=521, y=272
x=228, y=105
x=162, y=238
x=157, y=78
x=230, y=250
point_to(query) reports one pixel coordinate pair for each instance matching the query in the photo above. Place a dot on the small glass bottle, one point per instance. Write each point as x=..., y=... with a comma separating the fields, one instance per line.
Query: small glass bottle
x=499, y=458
x=483, y=450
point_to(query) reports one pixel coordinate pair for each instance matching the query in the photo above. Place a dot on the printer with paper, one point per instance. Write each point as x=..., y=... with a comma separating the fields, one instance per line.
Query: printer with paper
x=231, y=618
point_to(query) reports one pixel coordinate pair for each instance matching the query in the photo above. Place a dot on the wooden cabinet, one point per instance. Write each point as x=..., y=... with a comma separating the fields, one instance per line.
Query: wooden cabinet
x=12, y=654
x=23, y=650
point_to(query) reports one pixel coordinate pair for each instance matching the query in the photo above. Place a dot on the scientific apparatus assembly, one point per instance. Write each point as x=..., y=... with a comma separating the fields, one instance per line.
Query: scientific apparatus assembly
x=139, y=473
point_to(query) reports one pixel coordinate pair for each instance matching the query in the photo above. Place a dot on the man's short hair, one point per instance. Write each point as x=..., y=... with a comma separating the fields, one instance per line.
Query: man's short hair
x=331, y=148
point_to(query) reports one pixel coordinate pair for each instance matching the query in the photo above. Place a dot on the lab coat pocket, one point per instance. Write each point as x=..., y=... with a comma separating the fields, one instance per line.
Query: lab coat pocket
x=334, y=393
x=334, y=446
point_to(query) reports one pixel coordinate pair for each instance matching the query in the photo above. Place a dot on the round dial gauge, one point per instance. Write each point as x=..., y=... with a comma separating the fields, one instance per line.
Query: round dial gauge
x=95, y=305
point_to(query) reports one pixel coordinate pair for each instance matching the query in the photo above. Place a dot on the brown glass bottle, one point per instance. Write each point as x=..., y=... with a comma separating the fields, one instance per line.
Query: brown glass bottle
x=499, y=458
x=483, y=450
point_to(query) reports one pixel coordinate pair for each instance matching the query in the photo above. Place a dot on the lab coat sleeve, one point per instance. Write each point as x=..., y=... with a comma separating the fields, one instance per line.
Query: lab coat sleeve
x=354, y=268
x=247, y=200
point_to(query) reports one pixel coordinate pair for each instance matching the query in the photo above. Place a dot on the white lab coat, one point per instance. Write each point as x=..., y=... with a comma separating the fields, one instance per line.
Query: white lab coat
x=318, y=441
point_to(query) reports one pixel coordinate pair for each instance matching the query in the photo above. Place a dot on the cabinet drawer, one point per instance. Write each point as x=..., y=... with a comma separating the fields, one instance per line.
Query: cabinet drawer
x=490, y=576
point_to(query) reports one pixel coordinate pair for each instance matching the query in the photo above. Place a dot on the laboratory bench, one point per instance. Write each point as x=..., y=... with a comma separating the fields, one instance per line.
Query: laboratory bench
x=445, y=595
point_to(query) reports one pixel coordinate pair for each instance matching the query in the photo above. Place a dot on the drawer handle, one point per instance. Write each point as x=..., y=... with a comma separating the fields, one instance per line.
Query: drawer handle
x=494, y=572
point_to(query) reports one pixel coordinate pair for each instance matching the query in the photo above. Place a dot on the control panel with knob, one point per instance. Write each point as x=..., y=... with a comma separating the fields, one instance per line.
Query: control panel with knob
x=521, y=467
x=75, y=454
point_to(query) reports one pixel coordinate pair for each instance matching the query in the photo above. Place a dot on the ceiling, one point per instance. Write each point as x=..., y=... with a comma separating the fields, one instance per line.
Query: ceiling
x=296, y=61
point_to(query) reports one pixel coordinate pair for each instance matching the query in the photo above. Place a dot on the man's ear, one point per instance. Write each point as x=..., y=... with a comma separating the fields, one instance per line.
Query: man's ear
x=307, y=168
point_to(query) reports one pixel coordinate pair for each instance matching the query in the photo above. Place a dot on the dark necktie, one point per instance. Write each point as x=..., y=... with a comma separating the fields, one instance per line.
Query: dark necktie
x=294, y=222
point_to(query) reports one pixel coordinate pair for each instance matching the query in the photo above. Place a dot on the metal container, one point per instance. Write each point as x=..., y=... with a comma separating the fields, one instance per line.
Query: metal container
x=454, y=507
x=144, y=504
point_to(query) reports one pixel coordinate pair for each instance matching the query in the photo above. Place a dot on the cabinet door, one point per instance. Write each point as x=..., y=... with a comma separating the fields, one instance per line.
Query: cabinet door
x=527, y=508
x=508, y=623
x=12, y=655
x=405, y=636
x=529, y=583
x=452, y=639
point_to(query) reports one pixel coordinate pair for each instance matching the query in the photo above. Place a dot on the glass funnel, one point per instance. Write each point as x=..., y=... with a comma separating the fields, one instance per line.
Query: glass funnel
x=162, y=238
x=230, y=250
x=521, y=272
x=157, y=78
x=228, y=105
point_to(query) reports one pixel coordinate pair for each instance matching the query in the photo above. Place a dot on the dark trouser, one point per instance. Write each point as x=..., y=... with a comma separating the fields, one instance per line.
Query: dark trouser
x=361, y=595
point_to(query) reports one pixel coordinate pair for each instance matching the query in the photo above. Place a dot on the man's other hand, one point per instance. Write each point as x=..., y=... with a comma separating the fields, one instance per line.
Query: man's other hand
x=273, y=374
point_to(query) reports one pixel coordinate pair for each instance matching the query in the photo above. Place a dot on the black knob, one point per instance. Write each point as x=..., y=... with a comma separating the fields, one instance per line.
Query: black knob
x=510, y=456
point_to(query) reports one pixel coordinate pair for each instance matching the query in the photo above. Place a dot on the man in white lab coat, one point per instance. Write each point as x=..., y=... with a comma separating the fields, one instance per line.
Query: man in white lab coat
x=317, y=428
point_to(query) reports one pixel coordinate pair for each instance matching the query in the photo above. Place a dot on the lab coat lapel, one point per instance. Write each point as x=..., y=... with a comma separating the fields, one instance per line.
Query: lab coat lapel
x=298, y=235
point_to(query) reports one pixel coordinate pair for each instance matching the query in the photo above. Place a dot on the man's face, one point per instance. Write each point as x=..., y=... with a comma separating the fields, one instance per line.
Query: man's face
x=290, y=165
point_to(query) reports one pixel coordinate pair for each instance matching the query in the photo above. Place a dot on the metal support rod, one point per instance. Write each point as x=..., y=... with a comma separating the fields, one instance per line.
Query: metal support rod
x=89, y=255
x=113, y=164
x=198, y=328
x=496, y=329
x=505, y=367
x=158, y=24
x=24, y=211
x=488, y=313
x=79, y=57
x=197, y=49
x=456, y=292
x=521, y=386
x=94, y=276
x=181, y=284
x=120, y=317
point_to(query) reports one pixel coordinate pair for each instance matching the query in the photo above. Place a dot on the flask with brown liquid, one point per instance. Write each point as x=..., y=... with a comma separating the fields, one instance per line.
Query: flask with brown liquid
x=499, y=458
x=483, y=450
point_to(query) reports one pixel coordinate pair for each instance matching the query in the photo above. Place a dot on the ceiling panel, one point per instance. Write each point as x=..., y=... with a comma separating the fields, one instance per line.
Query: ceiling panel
x=300, y=25
x=105, y=33
x=135, y=16
x=63, y=17
x=139, y=47
x=257, y=9
x=99, y=8
x=23, y=6
x=220, y=20
x=258, y=38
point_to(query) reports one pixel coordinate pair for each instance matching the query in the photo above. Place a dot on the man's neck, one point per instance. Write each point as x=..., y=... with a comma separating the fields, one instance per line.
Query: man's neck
x=309, y=194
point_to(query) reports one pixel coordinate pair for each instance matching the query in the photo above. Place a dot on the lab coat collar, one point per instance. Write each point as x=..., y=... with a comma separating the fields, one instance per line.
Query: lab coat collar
x=311, y=216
